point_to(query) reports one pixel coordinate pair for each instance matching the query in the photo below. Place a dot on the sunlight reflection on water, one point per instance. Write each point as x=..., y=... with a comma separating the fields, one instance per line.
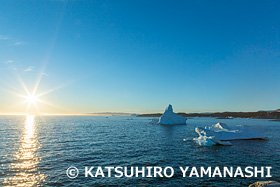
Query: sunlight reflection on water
x=26, y=160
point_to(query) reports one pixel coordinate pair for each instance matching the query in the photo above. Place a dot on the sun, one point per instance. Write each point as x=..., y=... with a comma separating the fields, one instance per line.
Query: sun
x=31, y=99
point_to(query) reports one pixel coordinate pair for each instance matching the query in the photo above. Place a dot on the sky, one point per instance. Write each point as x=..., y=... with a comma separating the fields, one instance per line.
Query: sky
x=139, y=56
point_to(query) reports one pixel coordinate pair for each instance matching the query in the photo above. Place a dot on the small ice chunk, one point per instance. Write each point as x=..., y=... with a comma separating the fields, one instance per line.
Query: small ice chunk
x=154, y=121
x=265, y=183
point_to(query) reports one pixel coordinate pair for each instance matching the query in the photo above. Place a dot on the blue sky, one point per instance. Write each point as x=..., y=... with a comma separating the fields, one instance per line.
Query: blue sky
x=140, y=56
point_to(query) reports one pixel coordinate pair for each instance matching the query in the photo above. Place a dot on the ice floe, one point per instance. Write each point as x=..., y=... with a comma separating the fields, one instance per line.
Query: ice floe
x=217, y=134
x=203, y=140
x=265, y=183
x=222, y=132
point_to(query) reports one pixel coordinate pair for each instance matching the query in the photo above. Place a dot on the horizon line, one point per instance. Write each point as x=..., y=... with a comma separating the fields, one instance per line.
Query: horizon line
x=115, y=113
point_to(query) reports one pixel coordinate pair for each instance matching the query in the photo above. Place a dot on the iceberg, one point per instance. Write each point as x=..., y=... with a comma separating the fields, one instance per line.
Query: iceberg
x=218, y=134
x=222, y=132
x=210, y=141
x=170, y=118
x=203, y=140
x=218, y=127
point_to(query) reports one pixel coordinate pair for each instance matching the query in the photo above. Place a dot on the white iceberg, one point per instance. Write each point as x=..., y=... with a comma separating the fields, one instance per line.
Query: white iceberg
x=170, y=118
x=203, y=140
x=218, y=127
x=223, y=132
x=210, y=141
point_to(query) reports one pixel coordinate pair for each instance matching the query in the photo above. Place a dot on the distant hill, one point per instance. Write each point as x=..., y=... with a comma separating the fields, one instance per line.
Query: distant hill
x=258, y=115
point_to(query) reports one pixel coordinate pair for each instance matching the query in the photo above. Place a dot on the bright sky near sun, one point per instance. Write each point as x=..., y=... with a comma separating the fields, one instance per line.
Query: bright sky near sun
x=139, y=56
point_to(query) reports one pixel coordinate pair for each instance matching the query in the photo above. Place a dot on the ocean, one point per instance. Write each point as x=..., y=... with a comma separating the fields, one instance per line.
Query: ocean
x=37, y=150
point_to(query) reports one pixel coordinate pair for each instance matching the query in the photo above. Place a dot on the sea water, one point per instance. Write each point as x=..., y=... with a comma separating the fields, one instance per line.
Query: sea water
x=37, y=150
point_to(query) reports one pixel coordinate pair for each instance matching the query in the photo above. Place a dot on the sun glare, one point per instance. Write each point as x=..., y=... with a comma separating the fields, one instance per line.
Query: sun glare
x=31, y=99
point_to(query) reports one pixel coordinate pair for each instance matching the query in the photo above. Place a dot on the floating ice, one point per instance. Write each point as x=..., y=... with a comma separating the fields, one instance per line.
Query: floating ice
x=265, y=183
x=154, y=121
x=210, y=141
x=218, y=133
x=218, y=127
x=223, y=132
x=170, y=118
x=203, y=140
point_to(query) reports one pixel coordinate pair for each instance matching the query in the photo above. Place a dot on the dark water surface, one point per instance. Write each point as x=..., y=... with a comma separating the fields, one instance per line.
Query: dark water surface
x=38, y=150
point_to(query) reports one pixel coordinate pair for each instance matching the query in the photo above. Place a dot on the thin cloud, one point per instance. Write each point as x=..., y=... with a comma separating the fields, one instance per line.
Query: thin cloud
x=30, y=68
x=12, y=40
x=9, y=62
x=19, y=43
x=12, y=67
x=4, y=37
x=44, y=74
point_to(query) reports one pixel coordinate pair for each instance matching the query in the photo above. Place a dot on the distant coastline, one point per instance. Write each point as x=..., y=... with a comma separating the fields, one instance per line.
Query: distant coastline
x=227, y=115
x=274, y=115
